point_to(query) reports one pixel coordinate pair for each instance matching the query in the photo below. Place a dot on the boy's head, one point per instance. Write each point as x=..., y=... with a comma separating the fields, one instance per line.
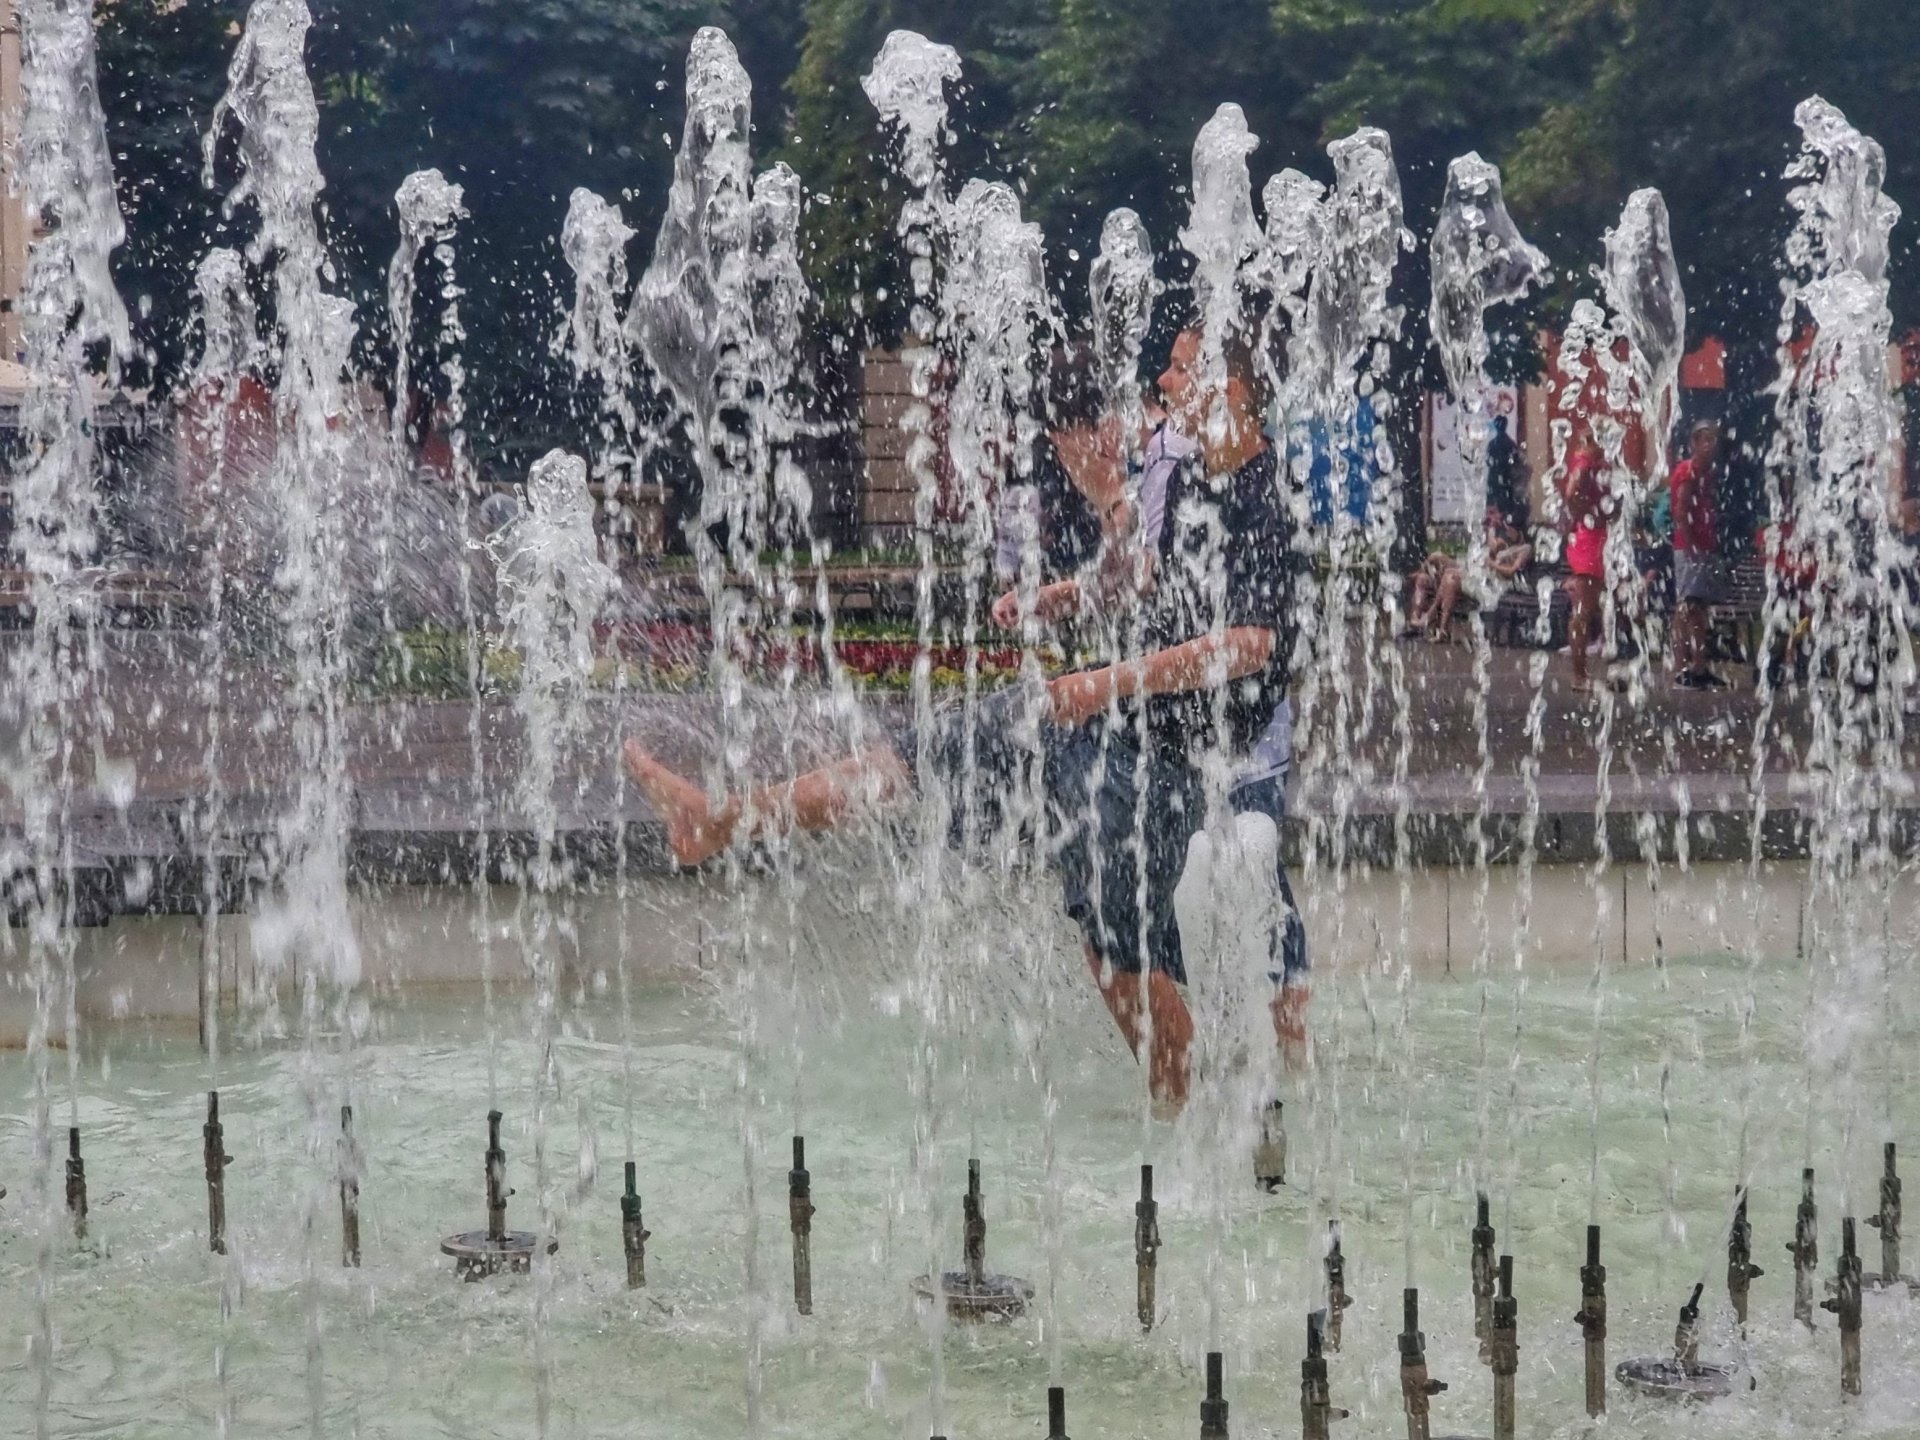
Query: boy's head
x=1196, y=400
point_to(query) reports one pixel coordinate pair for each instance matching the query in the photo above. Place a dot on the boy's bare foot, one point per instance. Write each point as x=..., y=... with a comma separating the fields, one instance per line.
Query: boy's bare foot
x=694, y=833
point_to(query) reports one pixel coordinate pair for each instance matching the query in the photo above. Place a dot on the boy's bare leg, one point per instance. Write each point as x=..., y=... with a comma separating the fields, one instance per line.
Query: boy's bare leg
x=1289, y=1010
x=1168, y=1064
x=819, y=800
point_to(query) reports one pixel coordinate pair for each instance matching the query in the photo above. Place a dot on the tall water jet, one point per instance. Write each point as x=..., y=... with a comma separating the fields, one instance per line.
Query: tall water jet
x=1832, y=490
x=907, y=86
x=68, y=307
x=1121, y=288
x=304, y=931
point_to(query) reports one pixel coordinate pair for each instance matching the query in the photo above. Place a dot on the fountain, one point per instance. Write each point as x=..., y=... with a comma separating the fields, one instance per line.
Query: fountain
x=256, y=899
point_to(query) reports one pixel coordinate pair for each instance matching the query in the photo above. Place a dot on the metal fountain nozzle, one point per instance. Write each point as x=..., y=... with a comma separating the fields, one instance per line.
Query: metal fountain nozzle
x=1417, y=1387
x=1213, y=1409
x=1805, y=1250
x=633, y=1230
x=1887, y=1222
x=1146, y=1249
x=1686, y=1334
x=1316, y=1403
x=1337, y=1297
x=800, y=1221
x=975, y=1227
x=1483, y=1271
x=1503, y=1351
x=1845, y=1304
x=1592, y=1320
x=1741, y=1271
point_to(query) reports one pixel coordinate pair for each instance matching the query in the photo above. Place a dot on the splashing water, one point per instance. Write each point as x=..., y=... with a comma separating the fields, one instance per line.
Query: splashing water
x=1121, y=288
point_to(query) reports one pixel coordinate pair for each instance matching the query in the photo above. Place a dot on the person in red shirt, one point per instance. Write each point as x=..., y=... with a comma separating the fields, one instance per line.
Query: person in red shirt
x=1699, y=570
x=1587, y=509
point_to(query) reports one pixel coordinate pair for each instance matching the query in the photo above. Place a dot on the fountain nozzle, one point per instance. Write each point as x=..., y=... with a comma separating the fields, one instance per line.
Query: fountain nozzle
x=76, y=1184
x=1213, y=1409
x=1503, y=1349
x=1483, y=1269
x=1417, y=1388
x=1592, y=1320
x=1805, y=1250
x=1146, y=1249
x=1056, y=1409
x=1887, y=1222
x=800, y=1219
x=216, y=1164
x=975, y=1234
x=1337, y=1297
x=1845, y=1303
x=633, y=1230
x=1741, y=1271
x=1270, y=1154
x=497, y=1191
x=349, y=1192
x=1317, y=1411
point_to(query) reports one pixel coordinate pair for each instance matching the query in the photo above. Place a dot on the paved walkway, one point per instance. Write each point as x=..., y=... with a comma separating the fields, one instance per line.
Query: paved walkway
x=419, y=810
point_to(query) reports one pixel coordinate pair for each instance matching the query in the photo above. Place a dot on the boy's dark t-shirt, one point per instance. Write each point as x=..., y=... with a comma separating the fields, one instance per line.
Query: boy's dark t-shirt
x=1226, y=559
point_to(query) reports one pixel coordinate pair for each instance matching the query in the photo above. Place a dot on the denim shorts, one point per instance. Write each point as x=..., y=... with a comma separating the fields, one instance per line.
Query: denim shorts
x=1115, y=820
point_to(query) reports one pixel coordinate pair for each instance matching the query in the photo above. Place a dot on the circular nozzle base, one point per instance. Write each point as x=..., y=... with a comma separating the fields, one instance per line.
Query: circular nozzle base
x=1667, y=1379
x=993, y=1297
x=477, y=1255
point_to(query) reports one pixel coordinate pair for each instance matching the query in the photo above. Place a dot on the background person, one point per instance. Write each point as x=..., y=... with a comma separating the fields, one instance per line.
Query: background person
x=1700, y=572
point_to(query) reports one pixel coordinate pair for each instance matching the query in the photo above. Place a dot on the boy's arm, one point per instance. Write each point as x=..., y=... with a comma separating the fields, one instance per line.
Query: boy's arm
x=1199, y=664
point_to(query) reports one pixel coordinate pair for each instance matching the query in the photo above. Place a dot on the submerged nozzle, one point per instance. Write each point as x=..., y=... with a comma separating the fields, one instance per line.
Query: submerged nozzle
x=1316, y=1402
x=1482, y=1271
x=76, y=1184
x=1805, y=1250
x=1417, y=1388
x=1503, y=1349
x=976, y=1228
x=1887, y=1222
x=800, y=1219
x=497, y=1191
x=1686, y=1334
x=216, y=1165
x=1593, y=1323
x=633, y=1230
x=349, y=1192
x=1741, y=1271
x=1337, y=1298
x=1213, y=1409
x=1056, y=1409
x=1146, y=1249
x=1270, y=1154
x=1845, y=1304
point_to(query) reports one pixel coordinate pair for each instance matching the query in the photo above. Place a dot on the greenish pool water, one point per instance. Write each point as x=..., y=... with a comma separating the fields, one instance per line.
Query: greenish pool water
x=399, y=1348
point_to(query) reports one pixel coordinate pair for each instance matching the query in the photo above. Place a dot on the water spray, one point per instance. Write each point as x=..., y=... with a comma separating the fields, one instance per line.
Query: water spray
x=215, y=1148
x=1146, y=1249
x=800, y=1218
x=1592, y=1320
